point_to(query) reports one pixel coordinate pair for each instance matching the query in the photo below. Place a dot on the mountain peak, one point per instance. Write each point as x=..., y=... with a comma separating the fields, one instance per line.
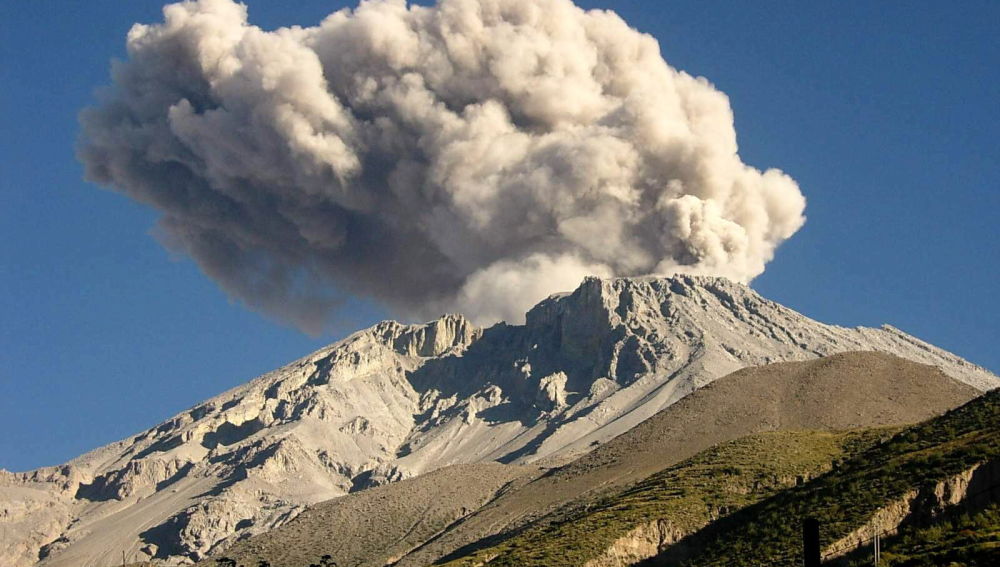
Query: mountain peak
x=627, y=296
x=395, y=400
x=448, y=333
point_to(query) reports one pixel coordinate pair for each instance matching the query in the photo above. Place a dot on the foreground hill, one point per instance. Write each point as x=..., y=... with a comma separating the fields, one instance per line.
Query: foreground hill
x=743, y=502
x=958, y=537
x=839, y=392
x=634, y=524
x=379, y=525
x=395, y=401
x=918, y=477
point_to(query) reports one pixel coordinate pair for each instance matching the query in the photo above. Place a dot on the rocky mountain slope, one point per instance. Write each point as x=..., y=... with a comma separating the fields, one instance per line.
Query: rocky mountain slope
x=395, y=401
x=843, y=391
x=869, y=389
x=383, y=524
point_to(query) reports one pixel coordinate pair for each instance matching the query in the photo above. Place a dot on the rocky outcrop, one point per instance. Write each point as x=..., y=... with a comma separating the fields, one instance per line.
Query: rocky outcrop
x=35, y=507
x=451, y=333
x=972, y=490
x=642, y=542
x=651, y=538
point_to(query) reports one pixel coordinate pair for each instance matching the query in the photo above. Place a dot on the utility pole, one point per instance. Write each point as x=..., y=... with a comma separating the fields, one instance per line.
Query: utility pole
x=810, y=543
x=878, y=542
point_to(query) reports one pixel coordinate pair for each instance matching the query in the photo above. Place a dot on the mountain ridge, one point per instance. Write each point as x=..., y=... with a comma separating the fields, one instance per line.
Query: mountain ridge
x=873, y=390
x=394, y=401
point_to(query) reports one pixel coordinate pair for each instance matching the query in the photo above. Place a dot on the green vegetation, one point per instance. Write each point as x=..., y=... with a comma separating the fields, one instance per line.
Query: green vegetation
x=847, y=497
x=737, y=504
x=689, y=495
x=956, y=540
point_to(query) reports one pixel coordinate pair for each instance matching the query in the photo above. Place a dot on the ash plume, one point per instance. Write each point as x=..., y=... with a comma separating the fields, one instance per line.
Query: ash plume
x=472, y=156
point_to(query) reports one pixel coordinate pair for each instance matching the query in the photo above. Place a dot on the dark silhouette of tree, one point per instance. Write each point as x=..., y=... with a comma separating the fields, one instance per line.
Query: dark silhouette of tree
x=226, y=562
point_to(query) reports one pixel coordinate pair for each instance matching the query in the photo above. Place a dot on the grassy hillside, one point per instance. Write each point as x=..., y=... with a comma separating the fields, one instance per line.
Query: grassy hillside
x=847, y=497
x=870, y=389
x=959, y=539
x=691, y=494
x=737, y=504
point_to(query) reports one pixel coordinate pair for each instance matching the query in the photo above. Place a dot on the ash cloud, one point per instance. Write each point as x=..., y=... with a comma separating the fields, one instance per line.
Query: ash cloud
x=472, y=156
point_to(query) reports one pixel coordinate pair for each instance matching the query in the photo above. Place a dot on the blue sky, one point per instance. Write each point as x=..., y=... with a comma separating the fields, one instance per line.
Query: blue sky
x=885, y=113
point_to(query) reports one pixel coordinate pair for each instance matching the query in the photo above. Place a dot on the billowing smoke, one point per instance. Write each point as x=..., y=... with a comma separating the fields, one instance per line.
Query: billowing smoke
x=473, y=156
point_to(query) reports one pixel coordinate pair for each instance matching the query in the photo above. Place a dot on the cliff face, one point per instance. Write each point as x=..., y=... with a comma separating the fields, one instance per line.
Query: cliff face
x=395, y=400
x=972, y=490
x=643, y=542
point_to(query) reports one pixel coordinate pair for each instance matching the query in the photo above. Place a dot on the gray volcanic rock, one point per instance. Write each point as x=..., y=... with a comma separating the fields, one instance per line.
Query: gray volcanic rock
x=394, y=401
x=838, y=392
